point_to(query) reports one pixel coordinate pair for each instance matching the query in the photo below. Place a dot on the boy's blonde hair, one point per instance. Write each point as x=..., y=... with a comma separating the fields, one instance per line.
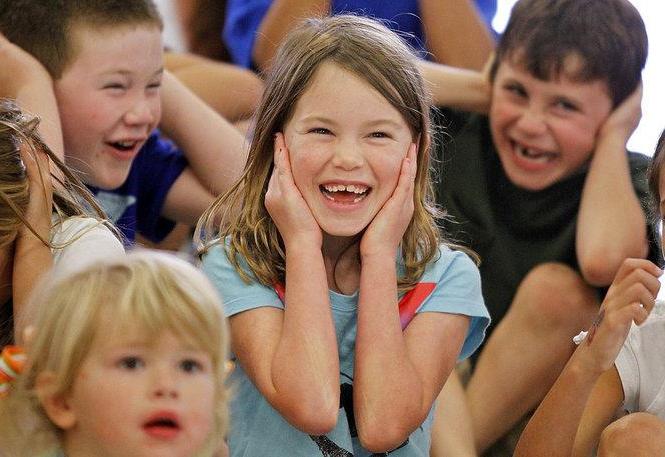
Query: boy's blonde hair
x=153, y=291
x=378, y=56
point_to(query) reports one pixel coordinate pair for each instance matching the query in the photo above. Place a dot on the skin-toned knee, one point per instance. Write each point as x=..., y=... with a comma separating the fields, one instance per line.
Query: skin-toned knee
x=555, y=295
x=637, y=434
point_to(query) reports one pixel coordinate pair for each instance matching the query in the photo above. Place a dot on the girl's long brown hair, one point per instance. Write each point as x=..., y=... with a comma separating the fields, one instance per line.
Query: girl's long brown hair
x=239, y=220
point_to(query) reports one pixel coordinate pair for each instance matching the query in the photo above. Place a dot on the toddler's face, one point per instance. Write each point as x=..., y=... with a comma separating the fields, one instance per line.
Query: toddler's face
x=140, y=398
x=346, y=144
x=109, y=99
x=545, y=130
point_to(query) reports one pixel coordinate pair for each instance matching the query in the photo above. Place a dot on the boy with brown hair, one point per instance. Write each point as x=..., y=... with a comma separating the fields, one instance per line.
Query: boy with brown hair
x=544, y=190
x=105, y=58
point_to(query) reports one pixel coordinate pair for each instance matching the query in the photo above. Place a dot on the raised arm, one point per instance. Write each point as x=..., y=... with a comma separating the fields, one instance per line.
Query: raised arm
x=554, y=426
x=282, y=16
x=456, y=33
x=397, y=375
x=611, y=223
x=291, y=356
x=214, y=149
x=23, y=78
x=467, y=90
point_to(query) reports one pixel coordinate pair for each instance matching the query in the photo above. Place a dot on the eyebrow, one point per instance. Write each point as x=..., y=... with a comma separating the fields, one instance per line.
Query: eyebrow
x=373, y=123
x=129, y=73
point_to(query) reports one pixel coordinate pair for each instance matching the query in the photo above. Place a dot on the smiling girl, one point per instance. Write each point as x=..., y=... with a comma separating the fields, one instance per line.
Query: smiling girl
x=347, y=311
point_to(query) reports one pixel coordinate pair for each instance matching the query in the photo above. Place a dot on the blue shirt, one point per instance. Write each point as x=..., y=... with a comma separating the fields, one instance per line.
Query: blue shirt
x=257, y=429
x=243, y=18
x=136, y=206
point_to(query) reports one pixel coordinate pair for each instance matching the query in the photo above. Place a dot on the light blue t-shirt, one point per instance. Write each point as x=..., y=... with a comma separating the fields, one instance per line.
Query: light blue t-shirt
x=257, y=429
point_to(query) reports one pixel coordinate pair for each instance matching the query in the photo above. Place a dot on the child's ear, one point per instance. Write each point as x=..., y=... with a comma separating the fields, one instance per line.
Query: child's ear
x=56, y=405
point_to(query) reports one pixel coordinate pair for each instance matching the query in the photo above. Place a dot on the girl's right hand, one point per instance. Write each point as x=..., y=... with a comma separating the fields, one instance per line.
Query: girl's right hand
x=630, y=298
x=285, y=203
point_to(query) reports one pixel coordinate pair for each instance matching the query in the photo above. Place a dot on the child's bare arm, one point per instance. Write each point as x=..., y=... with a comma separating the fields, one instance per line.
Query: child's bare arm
x=553, y=428
x=611, y=223
x=232, y=91
x=468, y=90
x=32, y=257
x=213, y=147
x=388, y=362
x=291, y=355
x=456, y=33
x=23, y=78
x=604, y=400
x=280, y=19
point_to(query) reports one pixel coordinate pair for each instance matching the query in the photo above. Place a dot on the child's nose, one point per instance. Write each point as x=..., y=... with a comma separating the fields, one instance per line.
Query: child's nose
x=532, y=123
x=163, y=385
x=347, y=155
x=140, y=113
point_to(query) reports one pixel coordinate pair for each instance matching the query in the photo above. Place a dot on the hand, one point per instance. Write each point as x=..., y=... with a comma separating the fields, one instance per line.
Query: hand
x=387, y=228
x=40, y=208
x=285, y=203
x=625, y=118
x=630, y=298
x=17, y=67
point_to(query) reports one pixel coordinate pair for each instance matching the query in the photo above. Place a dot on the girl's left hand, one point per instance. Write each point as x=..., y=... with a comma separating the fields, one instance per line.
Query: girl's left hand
x=387, y=228
x=40, y=207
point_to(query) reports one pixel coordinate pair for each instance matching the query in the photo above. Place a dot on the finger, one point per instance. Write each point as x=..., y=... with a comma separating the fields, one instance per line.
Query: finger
x=405, y=180
x=630, y=265
x=646, y=278
x=638, y=314
x=412, y=154
x=279, y=140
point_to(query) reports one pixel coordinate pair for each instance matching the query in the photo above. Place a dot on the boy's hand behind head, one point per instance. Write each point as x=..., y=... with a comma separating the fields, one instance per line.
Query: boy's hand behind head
x=17, y=68
x=625, y=118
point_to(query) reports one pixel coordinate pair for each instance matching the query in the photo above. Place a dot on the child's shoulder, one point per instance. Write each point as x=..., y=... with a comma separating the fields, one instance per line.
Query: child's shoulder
x=80, y=241
x=450, y=261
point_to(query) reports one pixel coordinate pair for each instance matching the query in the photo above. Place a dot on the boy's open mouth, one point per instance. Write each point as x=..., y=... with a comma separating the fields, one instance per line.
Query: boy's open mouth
x=345, y=193
x=123, y=145
x=533, y=154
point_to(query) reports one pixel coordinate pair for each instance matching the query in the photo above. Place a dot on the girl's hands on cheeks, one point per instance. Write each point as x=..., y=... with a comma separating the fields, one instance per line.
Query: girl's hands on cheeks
x=386, y=230
x=636, y=283
x=285, y=203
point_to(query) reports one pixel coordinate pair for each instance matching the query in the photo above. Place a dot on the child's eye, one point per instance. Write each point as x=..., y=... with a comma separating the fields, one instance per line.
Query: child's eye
x=191, y=366
x=515, y=89
x=155, y=85
x=131, y=363
x=115, y=86
x=566, y=105
x=379, y=135
x=320, y=131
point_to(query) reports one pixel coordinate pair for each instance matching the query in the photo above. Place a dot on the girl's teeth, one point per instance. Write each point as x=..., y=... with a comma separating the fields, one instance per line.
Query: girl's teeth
x=350, y=188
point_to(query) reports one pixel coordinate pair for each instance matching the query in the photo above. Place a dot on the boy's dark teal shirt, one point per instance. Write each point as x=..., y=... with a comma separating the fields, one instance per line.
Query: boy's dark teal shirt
x=512, y=229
